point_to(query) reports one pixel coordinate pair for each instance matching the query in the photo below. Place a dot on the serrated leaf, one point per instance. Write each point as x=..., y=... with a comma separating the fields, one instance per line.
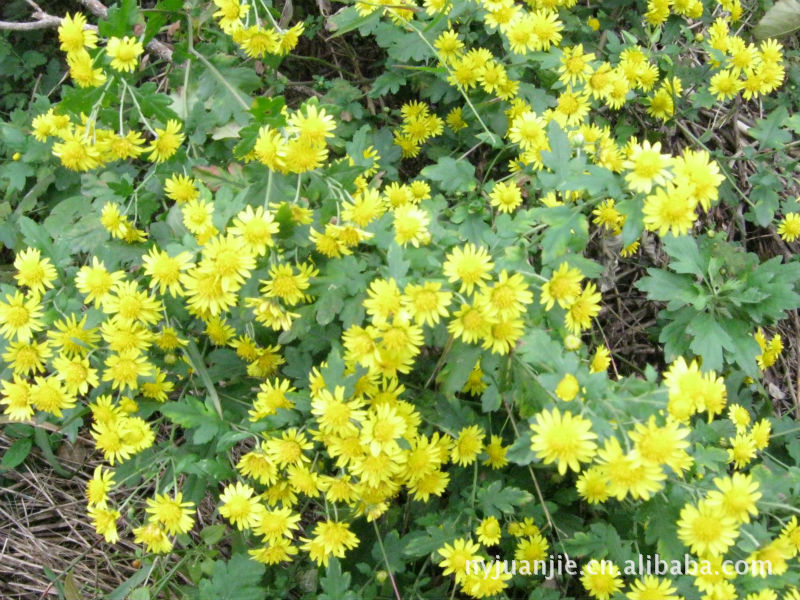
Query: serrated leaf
x=770, y=132
x=782, y=19
x=119, y=20
x=455, y=176
x=335, y=584
x=685, y=255
x=238, y=579
x=497, y=500
x=398, y=267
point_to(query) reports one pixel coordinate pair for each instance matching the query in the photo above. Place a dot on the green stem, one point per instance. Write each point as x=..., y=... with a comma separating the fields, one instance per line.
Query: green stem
x=200, y=368
x=386, y=560
x=43, y=441
x=221, y=79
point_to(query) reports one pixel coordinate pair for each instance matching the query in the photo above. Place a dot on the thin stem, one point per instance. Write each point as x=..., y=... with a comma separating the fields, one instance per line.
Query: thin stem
x=460, y=89
x=138, y=108
x=269, y=190
x=386, y=560
x=221, y=79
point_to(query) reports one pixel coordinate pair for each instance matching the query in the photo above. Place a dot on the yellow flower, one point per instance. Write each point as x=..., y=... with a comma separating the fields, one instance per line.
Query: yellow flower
x=164, y=270
x=313, y=126
x=239, y=506
x=601, y=360
x=82, y=71
x=76, y=153
x=567, y=388
x=74, y=34
x=467, y=446
x=16, y=397
x=505, y=197
x=104, y=520
x=411, y=226
x=457, y=556
x=256, y=228
x=789, y=227
x=742, y=450
x=601, y=579
x=563, y=287
x=652, y=588
x=181, y=188
x=489, y=531
x=173, y=514
x=735, y=497
x=99, y=485
x=592, y=485
x=565, y=439
x=287, y=285
x=575, y=65
x=628, y=473
x=581, y=312
x=167, y=142
x=468, y=266
x=153, y=537
x=706, y=529
x=50, y=396
x=230, y=14
x=496, y=453
x=19, y=318
x=426, y=303
x=331, y=538
x=647, y=166
x=670, y=210
x=124, y=53
x=725, y=85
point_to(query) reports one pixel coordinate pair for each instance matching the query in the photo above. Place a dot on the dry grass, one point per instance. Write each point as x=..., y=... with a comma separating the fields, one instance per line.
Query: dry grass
x=44, y=527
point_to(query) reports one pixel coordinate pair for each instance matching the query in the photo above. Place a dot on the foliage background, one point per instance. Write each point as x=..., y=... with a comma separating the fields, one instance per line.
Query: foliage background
x=363, y=80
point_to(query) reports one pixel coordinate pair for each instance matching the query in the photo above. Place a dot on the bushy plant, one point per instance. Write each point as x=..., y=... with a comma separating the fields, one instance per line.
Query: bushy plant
x=361, y=314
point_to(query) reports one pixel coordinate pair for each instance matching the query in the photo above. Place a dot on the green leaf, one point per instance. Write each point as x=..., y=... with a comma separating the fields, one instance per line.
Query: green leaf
x=122, y=591
x=119, y=20
x=685, y=255
x=520, y=452
x=189, y=413
x=559, y=155
x=496, y=500
x=16, y=173
x=782, y=19
x=490, y=399
x=153, y=104
x=460, y=361
x=348, y=19
x=328, y=306
x=335, y=585
x=238, y=579
x=35, y=235
x=599, y=542
x=212, y=534
x=770, y=131
x=659, y=516
x=454, y=176
x=421, y=543
x=141, y=593
x=16, y=453
x=159, y=17
x=398, y=267
x=388, y=82
x=709, y=340
x=393, y=546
